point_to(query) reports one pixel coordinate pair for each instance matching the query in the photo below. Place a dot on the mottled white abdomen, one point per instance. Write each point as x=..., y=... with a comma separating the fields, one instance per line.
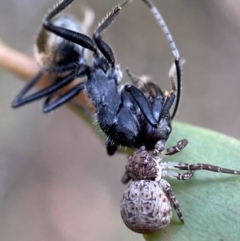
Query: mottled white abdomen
x=145, y=208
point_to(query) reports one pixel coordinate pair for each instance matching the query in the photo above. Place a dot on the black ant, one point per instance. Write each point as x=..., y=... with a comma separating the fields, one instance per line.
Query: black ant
x=136, y=115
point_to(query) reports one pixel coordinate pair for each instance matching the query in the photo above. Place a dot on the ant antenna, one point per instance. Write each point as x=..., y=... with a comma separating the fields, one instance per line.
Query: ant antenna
x=173, y=47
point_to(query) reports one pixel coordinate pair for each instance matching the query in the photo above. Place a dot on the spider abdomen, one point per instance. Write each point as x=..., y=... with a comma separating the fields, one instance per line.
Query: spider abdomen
x=145, y=208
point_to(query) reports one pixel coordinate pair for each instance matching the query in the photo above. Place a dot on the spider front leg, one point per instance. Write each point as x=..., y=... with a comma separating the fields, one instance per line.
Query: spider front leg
x=201, y=166
x=175, y=149
x=167, y=166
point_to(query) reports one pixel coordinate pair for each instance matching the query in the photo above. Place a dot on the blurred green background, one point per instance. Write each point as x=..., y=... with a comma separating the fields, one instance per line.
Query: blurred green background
x=56, y=180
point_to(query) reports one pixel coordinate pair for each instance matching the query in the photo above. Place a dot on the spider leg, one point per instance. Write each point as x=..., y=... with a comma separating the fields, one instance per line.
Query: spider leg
x=72, y=36
x=176, y=175
x=175, y=149
x=18, y=101
x=201, y=166
x=172, y=197
x=168, y=165
x=125, y=178
x=47, y=107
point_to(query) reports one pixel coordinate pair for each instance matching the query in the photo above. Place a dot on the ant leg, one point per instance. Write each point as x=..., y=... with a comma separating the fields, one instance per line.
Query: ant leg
x=18, y=101
x=139, y=83
x=177, y=81
x=108, y=20
x=172, y=197
x=158, y=99
x=142, y=103
x=47, y=107
x=72, y=36
x=150, y=90
x=167, y=105
x=58, y=84
x=110, y=146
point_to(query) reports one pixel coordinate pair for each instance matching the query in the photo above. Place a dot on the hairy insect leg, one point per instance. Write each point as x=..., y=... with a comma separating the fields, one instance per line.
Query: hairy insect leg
x=72, y=36
x=172, y=197
x=47, y=107
x=59, y=7
x=108, y=20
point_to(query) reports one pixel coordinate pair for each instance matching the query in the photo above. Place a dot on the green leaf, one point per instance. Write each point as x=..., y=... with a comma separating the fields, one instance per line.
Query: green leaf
x=210, y=201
